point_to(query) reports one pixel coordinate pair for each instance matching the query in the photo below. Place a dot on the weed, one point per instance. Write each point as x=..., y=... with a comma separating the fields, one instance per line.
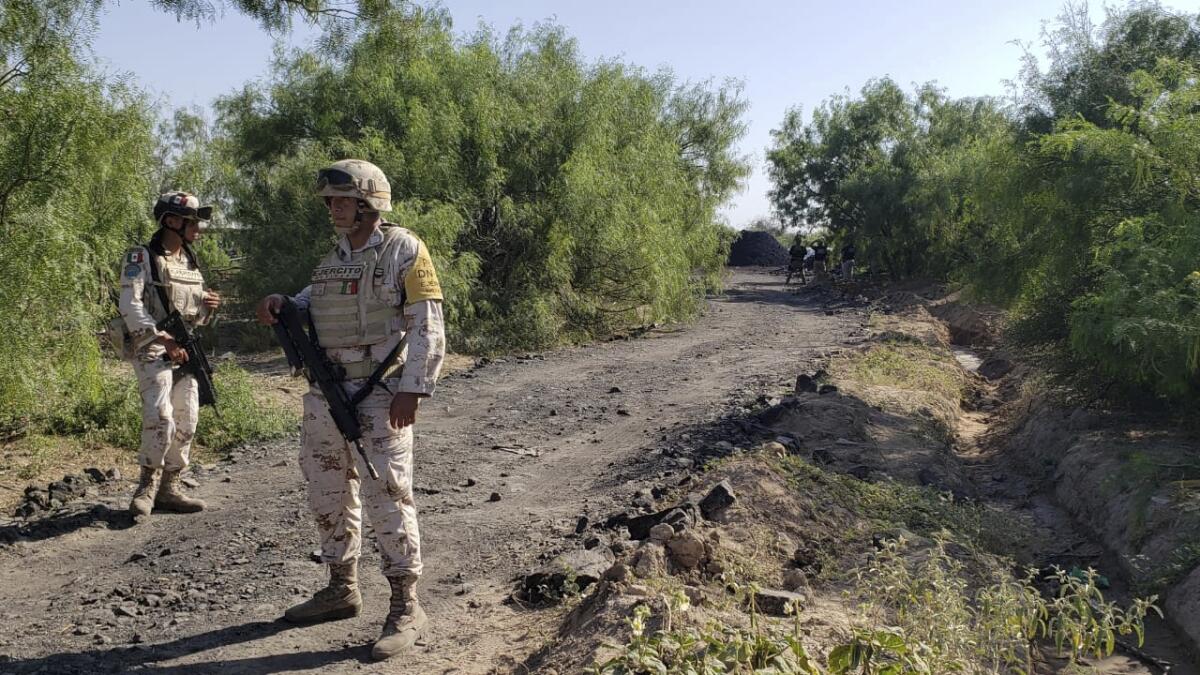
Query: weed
x=939, y=629
x=922, y=509
x=714, y=648
x=907, y=366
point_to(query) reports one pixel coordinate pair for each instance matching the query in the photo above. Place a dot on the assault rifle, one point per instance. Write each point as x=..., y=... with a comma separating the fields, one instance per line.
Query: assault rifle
x=305, y=354
x=197, y=364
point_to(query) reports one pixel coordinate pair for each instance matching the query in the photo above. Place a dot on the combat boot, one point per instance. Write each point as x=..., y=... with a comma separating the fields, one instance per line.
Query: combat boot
x=143, y=496
x=170, y=496
x=404, y=622
x=339, y=600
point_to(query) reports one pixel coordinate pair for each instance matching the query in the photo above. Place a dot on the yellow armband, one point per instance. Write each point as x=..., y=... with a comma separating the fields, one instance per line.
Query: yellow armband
x=421, y=282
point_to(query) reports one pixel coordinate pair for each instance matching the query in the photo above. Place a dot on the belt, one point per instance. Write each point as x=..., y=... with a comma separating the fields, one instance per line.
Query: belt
x=363, y=369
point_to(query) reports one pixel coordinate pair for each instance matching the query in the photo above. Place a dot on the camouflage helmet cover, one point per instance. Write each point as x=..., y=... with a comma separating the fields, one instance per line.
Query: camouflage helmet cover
x=356, y=178
x=184, y=204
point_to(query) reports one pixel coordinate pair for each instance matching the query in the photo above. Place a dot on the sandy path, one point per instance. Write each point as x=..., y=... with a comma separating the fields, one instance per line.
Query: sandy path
x=206, y=596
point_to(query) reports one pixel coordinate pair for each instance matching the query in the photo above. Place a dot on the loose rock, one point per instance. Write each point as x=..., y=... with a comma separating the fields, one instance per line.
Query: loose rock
x=661, y=533
x=805, y=384
x=775, y=602
x=686, y=549
x=719, y=498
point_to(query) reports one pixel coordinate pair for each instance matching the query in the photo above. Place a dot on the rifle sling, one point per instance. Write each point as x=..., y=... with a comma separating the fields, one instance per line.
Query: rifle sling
x=376, y=377
x=157, y=279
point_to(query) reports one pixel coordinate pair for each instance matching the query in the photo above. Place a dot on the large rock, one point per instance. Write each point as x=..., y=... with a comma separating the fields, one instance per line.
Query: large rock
x=1183, y=606
x=649, y=561
x=995, y=368
x=679, y=518
x=775, y=602
x=719, y=498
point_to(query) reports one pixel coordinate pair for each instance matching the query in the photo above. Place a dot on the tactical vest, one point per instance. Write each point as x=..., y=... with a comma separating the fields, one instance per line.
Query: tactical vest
x=185, y=286
x=351, y=306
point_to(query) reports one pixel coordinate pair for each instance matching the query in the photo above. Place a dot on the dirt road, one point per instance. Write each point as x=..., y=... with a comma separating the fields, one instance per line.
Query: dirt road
x=554, y=436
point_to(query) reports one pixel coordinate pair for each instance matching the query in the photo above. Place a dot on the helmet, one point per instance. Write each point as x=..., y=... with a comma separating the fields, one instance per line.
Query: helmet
x=356, y=178
x=183, y=204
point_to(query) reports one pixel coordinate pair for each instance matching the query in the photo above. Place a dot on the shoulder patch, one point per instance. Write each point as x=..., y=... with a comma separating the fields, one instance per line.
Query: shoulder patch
x=421, y=282
x=132, y=270
x=134, y=257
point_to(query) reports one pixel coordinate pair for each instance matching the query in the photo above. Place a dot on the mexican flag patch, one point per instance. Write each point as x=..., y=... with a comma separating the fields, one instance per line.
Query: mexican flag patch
x=135, y=257
x=349, y=288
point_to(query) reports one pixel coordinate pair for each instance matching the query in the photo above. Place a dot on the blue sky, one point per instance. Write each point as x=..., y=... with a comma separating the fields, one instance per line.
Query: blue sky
x=786, y=53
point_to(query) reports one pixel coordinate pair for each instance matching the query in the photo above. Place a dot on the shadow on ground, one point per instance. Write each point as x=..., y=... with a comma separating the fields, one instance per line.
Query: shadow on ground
x=146, y=658
x=66, y=522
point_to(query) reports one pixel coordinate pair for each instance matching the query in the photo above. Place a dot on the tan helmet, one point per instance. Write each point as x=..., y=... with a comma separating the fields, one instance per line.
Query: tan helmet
x=184, y=204
x=356, y=178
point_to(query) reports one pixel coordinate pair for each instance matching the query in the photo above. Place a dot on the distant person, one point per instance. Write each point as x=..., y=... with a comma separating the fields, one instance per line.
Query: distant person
x=820, y=258
x=848, y=253
x=376, y=307
x=797, y=253
x=156, y=279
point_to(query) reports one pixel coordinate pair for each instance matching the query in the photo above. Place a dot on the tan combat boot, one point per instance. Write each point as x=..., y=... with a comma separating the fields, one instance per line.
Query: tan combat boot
x=404, y=622
x=339, y=600
x=171, y=498
x=143, y=496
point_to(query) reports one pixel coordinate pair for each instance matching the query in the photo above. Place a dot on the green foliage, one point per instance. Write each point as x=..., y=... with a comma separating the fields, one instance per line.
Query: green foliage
x=712, y=649
x=908, y=366
x=885, y=171
x=888, y=504
x=73, y=194
x=244, y=416
x=561, y=200
x=879, y=652
x=1077, y=209
x=115, y=416
x=939, y=623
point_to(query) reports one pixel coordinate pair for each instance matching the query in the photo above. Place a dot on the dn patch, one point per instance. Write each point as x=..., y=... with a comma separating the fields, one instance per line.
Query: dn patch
x=132, y=271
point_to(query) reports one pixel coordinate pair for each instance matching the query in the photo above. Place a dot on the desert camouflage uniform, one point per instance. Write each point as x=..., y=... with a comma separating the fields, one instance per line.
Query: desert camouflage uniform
x=395, y=268
x=170, y=402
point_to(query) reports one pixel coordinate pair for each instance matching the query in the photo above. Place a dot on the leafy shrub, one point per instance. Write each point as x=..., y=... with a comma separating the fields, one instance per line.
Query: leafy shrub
x=561, y=200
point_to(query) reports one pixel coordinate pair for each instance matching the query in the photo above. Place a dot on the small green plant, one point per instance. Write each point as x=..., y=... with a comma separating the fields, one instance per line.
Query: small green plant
x=1083, y=624
x=879, y=652
x=715, y=648
x=939, y=628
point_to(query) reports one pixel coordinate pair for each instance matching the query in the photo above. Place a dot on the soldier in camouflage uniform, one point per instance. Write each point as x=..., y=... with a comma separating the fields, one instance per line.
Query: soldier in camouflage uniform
x=170, y=401
x=377, y=288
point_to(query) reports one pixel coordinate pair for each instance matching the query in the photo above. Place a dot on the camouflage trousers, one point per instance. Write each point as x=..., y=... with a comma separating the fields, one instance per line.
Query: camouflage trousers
x=336, y=475
x=170, y=410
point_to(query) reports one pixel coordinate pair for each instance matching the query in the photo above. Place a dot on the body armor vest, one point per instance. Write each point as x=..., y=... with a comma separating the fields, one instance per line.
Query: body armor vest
x=351, y=306
x=185, y=286
x=183, y=283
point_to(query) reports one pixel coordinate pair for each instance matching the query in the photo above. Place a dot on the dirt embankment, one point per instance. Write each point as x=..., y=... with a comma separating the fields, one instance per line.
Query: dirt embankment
x=1127, y=479
x=889, y=439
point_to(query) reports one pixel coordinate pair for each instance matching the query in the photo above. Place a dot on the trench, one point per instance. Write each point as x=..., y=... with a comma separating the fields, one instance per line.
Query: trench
x=1060, y=538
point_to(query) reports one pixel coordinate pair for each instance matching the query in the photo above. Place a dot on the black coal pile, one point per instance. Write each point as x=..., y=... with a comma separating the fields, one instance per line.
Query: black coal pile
x=757, y=249
x=58, y=493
